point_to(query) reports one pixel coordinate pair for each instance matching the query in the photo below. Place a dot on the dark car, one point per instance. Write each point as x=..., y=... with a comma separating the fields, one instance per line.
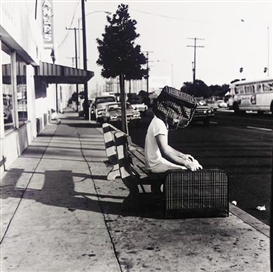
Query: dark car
x=203, y=113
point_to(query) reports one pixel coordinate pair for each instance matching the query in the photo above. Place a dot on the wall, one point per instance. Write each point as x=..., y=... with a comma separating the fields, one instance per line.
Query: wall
x=15, y=143
x=22, y=34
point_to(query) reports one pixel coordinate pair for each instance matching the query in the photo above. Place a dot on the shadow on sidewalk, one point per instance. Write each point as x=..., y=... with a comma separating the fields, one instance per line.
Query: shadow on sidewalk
x=84, y=125
x=58, y=189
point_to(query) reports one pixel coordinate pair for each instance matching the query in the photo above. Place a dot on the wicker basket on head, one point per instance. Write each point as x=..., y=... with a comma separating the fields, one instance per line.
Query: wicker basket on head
x=173, y=104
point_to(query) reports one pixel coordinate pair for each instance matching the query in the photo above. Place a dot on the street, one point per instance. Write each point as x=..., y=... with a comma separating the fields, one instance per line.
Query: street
x=240, y=145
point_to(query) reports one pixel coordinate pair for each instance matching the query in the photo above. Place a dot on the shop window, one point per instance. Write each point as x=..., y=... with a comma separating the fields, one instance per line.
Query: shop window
x=21, y=92
x=8, y=107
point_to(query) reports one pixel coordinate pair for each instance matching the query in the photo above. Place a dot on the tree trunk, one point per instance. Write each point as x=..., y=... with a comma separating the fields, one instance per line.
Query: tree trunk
x=124, y=124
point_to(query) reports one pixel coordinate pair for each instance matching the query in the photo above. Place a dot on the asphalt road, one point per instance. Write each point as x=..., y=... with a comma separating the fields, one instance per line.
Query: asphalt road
x=240, y=145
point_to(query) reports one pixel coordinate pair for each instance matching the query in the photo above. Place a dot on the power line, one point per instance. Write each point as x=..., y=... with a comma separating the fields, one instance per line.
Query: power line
x=183, y=19
x=62, y=42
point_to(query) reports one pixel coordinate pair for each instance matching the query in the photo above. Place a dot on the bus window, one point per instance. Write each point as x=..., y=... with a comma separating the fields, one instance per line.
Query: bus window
x=265, y=88
x=248, y=89
x=241, y=90
x=259, y=88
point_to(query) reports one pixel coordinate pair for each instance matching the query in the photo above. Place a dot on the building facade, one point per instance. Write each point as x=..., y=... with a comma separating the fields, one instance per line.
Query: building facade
x=31, y=84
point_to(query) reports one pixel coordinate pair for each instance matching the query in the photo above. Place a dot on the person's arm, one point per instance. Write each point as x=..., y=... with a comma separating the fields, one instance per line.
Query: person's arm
x=175, y=156
x=182, y=155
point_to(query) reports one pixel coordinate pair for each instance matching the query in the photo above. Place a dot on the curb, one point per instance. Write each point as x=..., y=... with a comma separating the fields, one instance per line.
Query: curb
x=250, y=220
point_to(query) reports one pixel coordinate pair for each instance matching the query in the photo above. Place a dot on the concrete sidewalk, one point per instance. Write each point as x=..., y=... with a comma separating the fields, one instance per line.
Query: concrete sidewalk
x=60, y=213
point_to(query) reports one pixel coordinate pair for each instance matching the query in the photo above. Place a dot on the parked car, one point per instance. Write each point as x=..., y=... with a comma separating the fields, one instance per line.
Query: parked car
x=203, y=113
x=112, y=113
x=99, y=105
x=213, y=104
x=221, y=104
x=142, y=108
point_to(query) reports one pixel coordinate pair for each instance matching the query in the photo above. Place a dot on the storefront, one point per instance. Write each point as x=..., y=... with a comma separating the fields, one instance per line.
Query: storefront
x=30, y=86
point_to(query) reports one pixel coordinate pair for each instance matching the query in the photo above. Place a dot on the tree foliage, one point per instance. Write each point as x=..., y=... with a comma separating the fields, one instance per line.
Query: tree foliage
x=202, y=90
x=218, y=90
x=118, y=53
x=119, y=56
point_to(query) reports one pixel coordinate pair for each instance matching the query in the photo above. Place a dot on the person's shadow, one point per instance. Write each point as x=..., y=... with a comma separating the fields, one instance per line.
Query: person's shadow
x=58, y=190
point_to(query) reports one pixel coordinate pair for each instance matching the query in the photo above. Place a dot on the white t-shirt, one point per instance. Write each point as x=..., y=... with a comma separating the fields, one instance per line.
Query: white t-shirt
x=153, y=156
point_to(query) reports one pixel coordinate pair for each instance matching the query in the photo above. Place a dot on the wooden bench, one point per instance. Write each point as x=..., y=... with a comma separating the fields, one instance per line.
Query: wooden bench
x=185, y=193
x=110, y=147
x=136, y=153
x=132, y=171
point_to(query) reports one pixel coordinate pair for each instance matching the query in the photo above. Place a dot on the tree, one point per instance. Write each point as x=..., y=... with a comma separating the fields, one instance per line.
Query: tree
x=217, y=90
x=118, y=54
x=201, y=89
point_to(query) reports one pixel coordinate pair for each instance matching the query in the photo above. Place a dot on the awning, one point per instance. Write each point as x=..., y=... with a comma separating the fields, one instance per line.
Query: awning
x=53, y=73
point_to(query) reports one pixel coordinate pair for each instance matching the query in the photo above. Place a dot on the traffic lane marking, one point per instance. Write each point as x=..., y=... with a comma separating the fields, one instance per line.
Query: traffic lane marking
x=258, y=128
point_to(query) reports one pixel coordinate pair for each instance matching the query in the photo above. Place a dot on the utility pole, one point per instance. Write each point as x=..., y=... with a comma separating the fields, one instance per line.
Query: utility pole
x=72, y=58
x=85, y=103
x=194, y=63
x=76, y=63
x=147, y=58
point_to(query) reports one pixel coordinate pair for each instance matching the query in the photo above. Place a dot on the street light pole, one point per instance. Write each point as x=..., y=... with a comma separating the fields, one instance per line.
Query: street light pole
x=147, y=58
x=76, y=64
x=268, y=48
x=147, y=73
x=85, y=103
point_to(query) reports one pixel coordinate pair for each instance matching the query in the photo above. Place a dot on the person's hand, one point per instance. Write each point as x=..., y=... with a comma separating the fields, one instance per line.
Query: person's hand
x=193, y=165
x=187, y=157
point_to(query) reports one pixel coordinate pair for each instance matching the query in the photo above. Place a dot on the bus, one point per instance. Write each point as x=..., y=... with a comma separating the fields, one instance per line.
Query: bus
x=251, y=96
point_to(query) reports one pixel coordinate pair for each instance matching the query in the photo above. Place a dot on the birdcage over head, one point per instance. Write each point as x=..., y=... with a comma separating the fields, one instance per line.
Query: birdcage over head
x=175, y=107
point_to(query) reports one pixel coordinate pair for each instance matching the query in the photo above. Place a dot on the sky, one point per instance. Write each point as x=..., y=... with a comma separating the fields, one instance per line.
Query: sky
x=229, y=35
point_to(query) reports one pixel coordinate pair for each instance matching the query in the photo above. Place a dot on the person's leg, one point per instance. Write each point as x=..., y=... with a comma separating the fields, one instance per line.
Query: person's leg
x=160, y=169
x=165, y=166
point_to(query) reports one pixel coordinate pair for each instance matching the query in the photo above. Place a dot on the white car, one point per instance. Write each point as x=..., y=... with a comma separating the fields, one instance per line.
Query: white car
x=112, y=113
x=221, y=104
x=99, y=106
x=142, y=108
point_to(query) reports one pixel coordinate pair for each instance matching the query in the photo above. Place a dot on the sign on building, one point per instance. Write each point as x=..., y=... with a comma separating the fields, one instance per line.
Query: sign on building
x=47, y=23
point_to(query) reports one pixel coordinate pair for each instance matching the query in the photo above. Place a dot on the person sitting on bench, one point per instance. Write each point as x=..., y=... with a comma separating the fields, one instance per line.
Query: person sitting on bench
x=172, y=109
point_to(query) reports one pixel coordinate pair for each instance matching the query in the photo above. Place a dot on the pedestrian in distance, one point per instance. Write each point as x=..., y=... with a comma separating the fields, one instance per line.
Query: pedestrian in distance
x=172, y=109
